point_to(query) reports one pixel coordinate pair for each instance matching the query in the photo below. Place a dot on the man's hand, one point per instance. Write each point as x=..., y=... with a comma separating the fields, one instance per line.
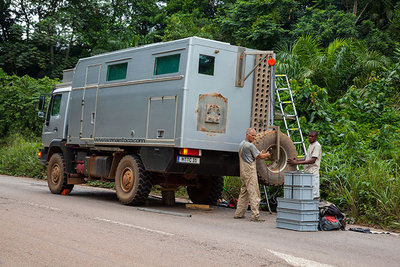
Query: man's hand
x=264, y=155
x=301, y=161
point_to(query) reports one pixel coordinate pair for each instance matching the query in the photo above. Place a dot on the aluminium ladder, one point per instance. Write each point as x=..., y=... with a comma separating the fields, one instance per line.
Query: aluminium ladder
x=290, y=128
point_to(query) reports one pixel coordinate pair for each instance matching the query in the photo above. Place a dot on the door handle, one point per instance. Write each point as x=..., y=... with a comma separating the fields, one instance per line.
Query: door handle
x=55, y=129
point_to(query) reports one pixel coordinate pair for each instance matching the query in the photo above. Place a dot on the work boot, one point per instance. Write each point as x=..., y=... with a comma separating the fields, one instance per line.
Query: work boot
x=238, y=217
x=257, y=219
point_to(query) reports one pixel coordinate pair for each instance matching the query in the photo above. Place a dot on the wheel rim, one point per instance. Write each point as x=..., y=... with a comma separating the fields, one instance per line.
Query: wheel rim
x=55, y=174
x=128, y=178
x=277, y=166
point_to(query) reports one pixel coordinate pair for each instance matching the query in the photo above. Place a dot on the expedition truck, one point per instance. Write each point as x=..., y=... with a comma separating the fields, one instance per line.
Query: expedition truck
x=170, y=114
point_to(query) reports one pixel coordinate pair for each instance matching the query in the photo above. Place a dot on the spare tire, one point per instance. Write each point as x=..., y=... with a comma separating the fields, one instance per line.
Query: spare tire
x=271, y=172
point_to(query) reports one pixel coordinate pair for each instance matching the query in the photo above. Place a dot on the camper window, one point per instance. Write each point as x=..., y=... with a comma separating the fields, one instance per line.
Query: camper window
x=167, y=64
x=117, y=71
x=206, y=64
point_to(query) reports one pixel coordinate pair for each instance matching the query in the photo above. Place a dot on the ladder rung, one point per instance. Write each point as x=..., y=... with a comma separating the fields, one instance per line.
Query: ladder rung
x=292, y=129
x=289, y=115
x=282, y=89
x=297, y=143
x=280, y=75
x=286, y=102
x=300, y=156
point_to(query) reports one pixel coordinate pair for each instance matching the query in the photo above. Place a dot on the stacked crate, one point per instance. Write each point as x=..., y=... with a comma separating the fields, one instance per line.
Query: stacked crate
x=297, y=210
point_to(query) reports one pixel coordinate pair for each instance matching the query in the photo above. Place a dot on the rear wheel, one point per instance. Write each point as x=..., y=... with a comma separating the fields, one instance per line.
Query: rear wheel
x=132, y=183
x=271, y=172
x=208, y=191
x=56, y=177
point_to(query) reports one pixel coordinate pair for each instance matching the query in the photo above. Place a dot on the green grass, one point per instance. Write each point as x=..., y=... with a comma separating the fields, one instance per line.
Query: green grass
x=18, y=157
x=103, y=184
x=367, y=191
x=180, y=192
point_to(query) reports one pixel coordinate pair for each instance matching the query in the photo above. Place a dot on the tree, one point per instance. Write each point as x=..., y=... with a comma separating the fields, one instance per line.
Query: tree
x=326, y=24
x=336, y=67
x=258, y=24
x=18, y=104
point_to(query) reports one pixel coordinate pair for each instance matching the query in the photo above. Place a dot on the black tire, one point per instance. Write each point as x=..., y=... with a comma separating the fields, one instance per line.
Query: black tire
x=208, y=191
x=132, y=183
x=56, y=177
x=272, y=172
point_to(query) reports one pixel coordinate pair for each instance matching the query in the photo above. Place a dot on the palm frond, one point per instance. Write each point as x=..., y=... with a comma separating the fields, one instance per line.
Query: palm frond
x=335, y=45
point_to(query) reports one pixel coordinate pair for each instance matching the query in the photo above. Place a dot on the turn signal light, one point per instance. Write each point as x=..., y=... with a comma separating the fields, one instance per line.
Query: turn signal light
x=190, y=152
x=271, y=61
x=39, y=154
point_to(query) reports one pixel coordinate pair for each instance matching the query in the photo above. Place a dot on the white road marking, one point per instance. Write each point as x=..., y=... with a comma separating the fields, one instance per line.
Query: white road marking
x=296, y=261
x=134, y=226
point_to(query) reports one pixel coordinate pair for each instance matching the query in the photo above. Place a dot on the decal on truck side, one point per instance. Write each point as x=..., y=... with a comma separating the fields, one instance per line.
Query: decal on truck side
x=119, y=140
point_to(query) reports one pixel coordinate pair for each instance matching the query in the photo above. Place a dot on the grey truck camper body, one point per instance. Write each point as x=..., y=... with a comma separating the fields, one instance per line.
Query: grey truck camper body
x=166, y=110
x=161, y=110
x=153, y=101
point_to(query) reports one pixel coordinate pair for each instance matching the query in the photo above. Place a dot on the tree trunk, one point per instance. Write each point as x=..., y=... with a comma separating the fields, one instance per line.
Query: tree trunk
x=362, y=12
x=26, y=19
x=355, y=7
x=51, y=54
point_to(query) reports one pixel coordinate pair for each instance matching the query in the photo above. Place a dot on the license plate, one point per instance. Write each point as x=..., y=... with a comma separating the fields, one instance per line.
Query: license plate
x=189, y=160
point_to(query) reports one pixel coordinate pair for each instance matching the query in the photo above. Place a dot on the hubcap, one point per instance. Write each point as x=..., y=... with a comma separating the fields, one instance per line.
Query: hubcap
x=277, y=166
x=127, y=180
x=55, y=174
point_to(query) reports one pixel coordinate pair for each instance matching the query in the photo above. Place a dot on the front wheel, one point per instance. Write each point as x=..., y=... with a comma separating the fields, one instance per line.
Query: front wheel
x=56, y=177
x=132, y=183
x=208, y=190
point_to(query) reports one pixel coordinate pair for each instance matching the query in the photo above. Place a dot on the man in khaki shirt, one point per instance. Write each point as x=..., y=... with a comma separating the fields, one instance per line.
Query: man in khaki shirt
x=312, y=161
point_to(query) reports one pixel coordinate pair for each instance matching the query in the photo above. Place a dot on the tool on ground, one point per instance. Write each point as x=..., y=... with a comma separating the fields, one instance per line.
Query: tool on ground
x=233, y=202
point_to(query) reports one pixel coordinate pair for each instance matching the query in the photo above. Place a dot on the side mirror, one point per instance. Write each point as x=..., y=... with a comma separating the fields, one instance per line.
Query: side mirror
x=42, y=100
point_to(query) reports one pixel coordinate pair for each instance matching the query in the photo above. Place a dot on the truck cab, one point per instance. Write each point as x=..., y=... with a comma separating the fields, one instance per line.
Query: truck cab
x=55, y=125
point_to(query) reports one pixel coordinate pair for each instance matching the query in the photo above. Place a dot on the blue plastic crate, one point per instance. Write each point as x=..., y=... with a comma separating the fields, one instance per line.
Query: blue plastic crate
x=297, y=226
x=298, y=178
x=298, y=215
x=296, y=204
x=298, y=192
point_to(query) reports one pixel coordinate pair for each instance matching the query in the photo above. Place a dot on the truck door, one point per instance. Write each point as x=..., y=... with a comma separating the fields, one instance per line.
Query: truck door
x=89, y=103
x=53, y=127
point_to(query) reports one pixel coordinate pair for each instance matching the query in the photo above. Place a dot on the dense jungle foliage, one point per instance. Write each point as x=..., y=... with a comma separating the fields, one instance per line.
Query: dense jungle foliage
x=342, y=58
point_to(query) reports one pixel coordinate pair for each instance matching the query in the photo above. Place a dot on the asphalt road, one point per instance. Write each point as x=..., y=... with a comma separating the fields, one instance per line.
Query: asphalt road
x=90, y=228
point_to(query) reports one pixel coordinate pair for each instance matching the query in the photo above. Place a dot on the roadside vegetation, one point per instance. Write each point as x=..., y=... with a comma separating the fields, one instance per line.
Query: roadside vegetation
x=343, y=62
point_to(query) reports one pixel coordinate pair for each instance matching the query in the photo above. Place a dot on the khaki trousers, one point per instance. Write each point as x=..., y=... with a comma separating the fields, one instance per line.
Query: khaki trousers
x=250, y=191
x=315, y=181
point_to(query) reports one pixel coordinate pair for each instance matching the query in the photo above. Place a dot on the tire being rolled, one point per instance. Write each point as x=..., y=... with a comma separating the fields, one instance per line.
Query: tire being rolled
x=271, y=172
